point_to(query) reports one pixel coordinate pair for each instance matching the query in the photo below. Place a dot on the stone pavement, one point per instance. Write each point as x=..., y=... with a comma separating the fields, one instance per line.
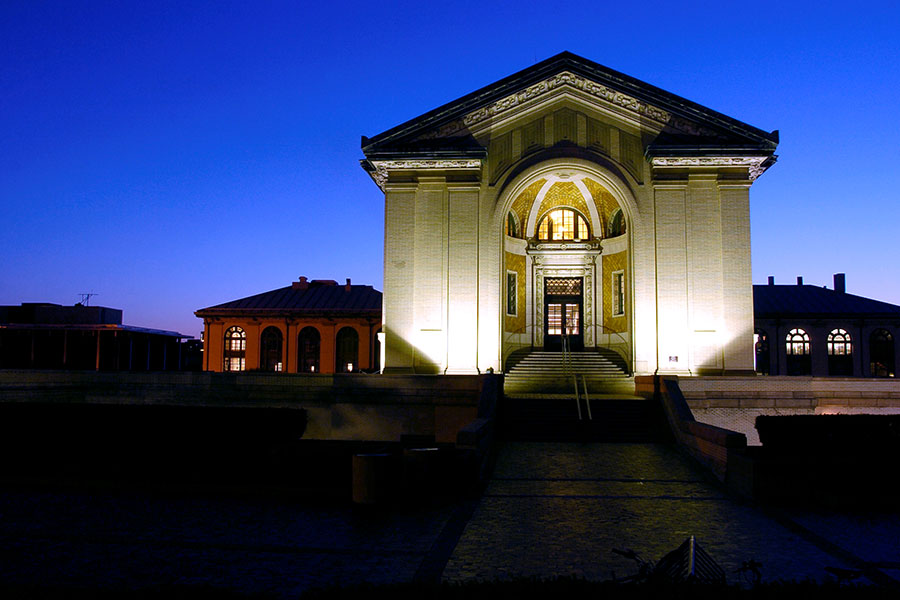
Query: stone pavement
x=556, y=509
x=132, y=540
x=552, y=509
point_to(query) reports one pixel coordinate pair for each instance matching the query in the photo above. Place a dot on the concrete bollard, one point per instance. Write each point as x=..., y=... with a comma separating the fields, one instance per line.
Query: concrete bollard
x=371, y=474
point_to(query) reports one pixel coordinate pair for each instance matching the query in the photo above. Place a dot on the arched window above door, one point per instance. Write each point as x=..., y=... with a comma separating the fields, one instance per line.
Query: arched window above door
x=839, y=343
x=797, y=341
x=235, y=349
x=563, y=224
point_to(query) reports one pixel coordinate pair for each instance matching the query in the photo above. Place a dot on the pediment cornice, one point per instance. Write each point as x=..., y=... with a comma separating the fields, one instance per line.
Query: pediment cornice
x=756, y=165
x=381, y=168
x=566, y=75
x=562, y=81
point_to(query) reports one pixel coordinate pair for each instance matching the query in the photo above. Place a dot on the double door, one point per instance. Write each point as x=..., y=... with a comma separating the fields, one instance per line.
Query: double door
x=563, y=308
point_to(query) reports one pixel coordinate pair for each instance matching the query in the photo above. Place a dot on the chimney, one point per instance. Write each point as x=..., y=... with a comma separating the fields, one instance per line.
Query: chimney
x=799, y=280
x=300, y=285
x=347, y=287
x=840, y=283
x=771, y=280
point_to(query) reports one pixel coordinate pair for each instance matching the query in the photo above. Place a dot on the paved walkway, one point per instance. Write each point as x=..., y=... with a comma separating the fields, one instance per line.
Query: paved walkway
x=551, y=510
x=559, y=509
x=133, y=540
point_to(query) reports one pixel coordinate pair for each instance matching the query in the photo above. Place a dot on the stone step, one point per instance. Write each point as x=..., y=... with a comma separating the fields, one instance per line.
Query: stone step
x=603, y=371
x=556, y=419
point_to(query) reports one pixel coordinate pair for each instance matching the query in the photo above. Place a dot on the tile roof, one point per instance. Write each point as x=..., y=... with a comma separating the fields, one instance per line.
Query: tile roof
x=317, y=297
x=783, y=300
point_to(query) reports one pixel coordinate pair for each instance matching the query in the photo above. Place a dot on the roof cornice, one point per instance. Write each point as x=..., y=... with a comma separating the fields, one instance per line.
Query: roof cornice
x=567, y=70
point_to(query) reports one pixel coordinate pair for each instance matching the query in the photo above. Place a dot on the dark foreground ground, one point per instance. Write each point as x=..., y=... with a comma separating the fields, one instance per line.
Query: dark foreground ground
x=547, y=524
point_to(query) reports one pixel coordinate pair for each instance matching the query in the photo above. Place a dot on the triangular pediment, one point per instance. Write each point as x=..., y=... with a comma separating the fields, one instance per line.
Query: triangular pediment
x=677, y=126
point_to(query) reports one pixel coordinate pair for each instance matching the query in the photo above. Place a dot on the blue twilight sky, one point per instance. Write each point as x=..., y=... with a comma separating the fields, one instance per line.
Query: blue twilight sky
x=174, y=155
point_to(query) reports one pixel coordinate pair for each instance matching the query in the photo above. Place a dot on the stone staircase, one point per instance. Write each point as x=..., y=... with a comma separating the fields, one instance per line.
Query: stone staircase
x=541, y=372
x=540, y=404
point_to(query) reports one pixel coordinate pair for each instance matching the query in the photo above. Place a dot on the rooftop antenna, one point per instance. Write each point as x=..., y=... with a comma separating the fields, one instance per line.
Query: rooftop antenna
x=86, y=298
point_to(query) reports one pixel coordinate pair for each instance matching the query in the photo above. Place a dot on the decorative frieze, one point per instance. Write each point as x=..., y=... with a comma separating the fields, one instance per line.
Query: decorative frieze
x=567, y=79
x=543, y=246
x=382, y=167
x=754, y=164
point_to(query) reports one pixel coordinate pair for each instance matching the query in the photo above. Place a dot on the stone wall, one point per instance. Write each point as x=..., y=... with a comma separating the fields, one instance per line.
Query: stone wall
x=339, y=407
x=735, y=402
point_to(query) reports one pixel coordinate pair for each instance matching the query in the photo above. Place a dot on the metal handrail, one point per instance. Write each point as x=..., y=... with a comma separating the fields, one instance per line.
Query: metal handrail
x=609, y=345
x=520, y=330
x=587, y=399
x=567, y=368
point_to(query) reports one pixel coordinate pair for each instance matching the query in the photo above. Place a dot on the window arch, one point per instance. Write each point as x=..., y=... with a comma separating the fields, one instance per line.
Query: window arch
x=881, y=353
x=761, y=345
x=563, y=224
x=617, y=223
x=270, y=344
x=512, y=225
x=347, y=350
x=797, y=349
x=839, y=343
x=308, y=343
x=840, y=353
x=235, y=349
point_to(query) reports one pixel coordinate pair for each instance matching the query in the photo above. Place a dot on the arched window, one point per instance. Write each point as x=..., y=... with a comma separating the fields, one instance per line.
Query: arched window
x=270, y=350
x=308, y=350
x=562, y=224
x=881, y=353
x=512, y=225
x=617, y=223
x=840, y=353
x=235, y=349
x=798, y=360
x=347, y=351
x=761, y=345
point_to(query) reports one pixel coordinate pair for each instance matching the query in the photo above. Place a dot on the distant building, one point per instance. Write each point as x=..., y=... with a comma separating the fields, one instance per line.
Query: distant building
x=808, y=330
x=308, y=327
x=50, y=336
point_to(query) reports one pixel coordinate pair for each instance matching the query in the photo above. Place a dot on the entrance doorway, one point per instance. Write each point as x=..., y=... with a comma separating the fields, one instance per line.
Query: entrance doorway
x=563, y=303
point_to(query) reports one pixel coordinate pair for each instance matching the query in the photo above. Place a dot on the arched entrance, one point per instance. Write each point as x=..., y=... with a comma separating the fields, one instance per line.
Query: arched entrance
x=347, y=351
x=566, y=260
x=881, y=353
x=270, y=353
x=308, y=350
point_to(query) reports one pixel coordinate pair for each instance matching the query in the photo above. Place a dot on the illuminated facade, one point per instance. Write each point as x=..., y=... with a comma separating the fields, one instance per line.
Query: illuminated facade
x=568, y=201
x=314, y=326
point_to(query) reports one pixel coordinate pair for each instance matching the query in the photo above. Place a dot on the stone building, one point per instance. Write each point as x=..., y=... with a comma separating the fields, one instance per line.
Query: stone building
x=313, y=326
x=568, y=203
x=810, y=330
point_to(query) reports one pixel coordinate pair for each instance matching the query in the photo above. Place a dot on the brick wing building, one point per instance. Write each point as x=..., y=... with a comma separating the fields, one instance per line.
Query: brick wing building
x=313, y=326
x=809, y=330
